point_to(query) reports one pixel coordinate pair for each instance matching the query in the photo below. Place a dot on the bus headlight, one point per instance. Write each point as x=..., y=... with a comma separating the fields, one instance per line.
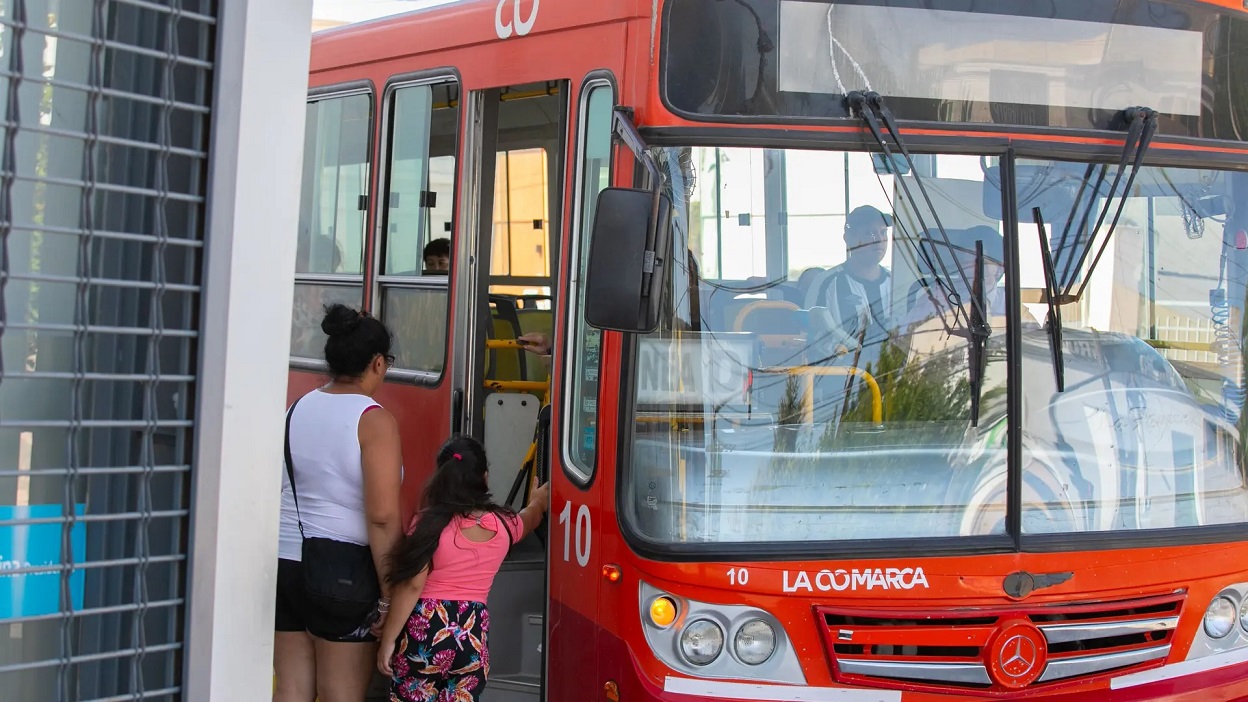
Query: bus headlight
x=755, y=642
x=717, y=641
x=702, y=641
x=1220, y=617
x=1243, y=615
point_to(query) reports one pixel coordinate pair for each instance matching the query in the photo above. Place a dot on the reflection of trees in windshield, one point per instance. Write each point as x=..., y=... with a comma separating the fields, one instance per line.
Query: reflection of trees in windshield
x=934, y=389
x=925, y=406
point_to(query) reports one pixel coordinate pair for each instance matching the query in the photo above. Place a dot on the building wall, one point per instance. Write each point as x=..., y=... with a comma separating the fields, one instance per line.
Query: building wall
x=131, y=130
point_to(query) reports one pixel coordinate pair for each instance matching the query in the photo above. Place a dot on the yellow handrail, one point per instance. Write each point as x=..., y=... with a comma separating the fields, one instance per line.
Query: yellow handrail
x=542, y=386
x=809, y=373
x=517, y=385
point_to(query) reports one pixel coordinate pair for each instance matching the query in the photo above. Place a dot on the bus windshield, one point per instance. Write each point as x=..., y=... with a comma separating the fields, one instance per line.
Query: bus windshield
x=815, y=376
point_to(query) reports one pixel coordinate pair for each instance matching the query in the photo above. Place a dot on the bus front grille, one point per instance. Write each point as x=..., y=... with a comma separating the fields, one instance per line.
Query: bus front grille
x=998, y=650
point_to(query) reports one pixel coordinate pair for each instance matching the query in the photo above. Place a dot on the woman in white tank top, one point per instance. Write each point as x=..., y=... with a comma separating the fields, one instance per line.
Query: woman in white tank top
x=347, y=463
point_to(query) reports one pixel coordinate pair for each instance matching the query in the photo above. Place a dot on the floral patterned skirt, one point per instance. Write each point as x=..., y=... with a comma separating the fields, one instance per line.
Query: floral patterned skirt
x=442, y=654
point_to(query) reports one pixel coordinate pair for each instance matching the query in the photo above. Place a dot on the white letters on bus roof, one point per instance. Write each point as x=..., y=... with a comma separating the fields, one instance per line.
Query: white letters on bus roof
x=504, y=28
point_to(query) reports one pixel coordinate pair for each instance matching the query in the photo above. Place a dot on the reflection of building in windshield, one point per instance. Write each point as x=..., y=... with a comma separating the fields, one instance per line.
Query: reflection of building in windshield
x=984, y=58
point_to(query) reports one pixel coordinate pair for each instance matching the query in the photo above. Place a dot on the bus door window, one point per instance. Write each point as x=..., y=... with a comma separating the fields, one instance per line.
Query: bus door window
x=416, y=219
x=517, y=249
x=521, y=238
x=520, y=262
x=819, y=410
x=584, y=342
x=332, y=212
x=524, y=234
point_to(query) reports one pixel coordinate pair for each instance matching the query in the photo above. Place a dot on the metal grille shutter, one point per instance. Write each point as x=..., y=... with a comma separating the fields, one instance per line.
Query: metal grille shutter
x=103, y=165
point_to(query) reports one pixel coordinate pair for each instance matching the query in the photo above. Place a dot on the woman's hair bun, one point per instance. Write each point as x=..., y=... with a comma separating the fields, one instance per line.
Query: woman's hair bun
x=340, y=320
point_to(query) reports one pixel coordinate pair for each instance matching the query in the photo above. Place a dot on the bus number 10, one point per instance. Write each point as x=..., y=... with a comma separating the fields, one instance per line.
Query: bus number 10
x=583, y=536
x=738, y=576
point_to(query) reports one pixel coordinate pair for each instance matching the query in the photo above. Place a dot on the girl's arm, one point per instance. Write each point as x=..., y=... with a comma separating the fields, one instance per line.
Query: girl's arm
x=531, y=515
x=403, y=599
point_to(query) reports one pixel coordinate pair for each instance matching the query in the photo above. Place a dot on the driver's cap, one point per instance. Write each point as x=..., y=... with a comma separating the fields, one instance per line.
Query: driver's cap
x=866, y=215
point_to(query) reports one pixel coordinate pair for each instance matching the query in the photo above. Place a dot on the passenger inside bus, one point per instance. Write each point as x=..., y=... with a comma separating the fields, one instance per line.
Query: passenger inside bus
x=437, y=257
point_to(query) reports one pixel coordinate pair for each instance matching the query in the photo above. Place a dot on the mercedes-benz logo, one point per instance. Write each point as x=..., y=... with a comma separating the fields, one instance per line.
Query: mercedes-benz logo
x=1018, y=656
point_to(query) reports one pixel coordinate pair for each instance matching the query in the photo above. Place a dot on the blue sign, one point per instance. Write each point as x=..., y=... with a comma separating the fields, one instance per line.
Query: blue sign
x=24, y=546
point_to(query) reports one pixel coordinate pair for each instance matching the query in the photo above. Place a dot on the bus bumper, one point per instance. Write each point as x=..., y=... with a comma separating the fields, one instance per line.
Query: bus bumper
x=1215, y=679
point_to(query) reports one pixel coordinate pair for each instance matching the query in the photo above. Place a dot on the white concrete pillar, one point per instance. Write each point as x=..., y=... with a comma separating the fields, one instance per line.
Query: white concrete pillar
x=257, y=145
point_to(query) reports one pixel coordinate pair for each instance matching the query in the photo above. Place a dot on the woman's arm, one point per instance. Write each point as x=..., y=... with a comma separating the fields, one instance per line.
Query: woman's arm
x=537, y=343
x=531, y=515
x=403, y=599
x=382, y=459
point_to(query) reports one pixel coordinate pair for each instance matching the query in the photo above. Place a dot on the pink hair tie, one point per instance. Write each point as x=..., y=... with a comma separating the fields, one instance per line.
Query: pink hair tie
x=457, y=456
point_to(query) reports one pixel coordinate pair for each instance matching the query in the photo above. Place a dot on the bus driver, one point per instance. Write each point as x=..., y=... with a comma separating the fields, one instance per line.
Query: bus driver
x=853, y=298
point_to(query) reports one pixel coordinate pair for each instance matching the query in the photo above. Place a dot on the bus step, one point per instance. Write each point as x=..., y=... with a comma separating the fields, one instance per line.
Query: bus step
x=512, y=688
x=531, y=645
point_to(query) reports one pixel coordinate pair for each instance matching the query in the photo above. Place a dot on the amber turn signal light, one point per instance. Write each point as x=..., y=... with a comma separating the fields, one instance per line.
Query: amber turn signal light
x=662, y=612
x=611, y=573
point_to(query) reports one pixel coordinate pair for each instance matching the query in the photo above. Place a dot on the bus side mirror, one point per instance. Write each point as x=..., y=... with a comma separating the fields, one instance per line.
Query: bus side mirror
x=627, y=260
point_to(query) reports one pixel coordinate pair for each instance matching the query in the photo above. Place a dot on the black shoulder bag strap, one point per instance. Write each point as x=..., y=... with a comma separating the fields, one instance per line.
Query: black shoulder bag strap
x=290, y=468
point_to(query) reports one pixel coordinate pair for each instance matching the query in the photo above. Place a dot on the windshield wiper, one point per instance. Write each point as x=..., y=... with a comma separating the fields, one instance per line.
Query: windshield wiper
x=870, y=108
x=977, y=334
x=1143, y=121
x=975, y=328
x=1053, y=320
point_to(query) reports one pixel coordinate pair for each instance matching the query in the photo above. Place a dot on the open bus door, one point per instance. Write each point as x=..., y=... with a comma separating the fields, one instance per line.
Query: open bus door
x=501, y=393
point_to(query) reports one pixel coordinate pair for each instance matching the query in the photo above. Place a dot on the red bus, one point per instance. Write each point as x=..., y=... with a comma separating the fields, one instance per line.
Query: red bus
x=897, y=347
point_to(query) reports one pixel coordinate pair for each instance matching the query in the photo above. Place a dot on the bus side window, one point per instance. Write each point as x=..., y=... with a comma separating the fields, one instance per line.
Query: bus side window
x=416, y=223
x=584, y=342
x=332, y=212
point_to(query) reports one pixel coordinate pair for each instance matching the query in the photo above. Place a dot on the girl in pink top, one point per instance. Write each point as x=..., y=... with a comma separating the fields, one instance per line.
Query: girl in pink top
x=440, y=576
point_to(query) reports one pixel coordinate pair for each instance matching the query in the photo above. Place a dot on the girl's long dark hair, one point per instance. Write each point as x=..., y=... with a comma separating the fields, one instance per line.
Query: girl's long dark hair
x=458, y=488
